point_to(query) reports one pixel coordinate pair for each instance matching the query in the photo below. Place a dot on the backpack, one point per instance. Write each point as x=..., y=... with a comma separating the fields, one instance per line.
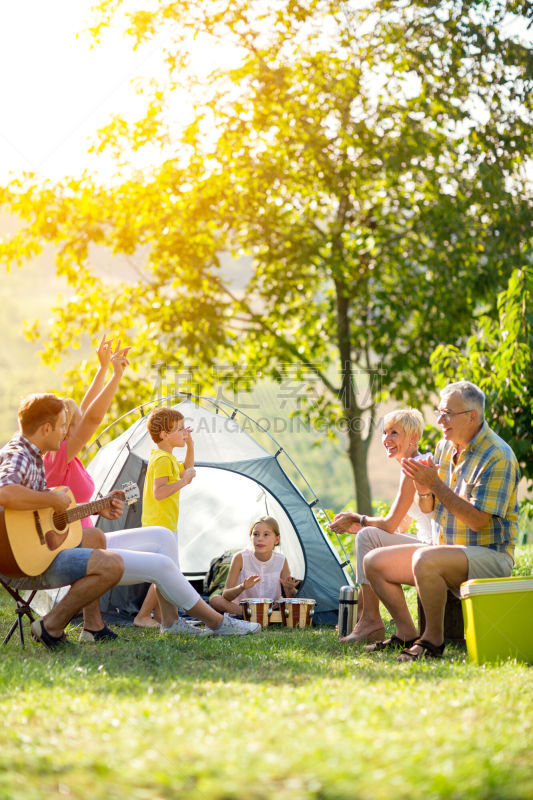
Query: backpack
x=215, y=578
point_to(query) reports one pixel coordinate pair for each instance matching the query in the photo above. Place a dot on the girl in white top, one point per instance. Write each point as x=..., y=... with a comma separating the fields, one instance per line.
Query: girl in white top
x=260, y=572
x=402, y=430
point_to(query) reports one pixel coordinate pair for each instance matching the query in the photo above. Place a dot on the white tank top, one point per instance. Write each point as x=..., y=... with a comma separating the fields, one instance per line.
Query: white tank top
x=422, y=522
x=269, y=585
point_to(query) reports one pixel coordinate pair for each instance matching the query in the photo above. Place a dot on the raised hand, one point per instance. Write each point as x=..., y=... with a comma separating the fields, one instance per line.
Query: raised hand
x=119, y=359
x=105, y=351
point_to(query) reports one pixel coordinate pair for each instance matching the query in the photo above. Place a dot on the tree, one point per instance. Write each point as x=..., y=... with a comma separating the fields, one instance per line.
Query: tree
x=367, y=157
x=498, y=358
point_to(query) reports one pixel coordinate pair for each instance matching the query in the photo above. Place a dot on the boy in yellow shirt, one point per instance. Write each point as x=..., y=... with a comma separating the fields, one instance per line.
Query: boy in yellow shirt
x=165, y=477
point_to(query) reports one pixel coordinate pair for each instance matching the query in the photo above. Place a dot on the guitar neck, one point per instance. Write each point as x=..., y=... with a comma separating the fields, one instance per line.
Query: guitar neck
x=85, y=509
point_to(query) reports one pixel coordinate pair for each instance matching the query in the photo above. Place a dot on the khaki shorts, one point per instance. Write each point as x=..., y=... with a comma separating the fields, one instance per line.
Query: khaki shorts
x=483, y=562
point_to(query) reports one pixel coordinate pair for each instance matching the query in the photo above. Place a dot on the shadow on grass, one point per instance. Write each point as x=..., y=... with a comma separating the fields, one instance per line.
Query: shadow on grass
x=275, y=657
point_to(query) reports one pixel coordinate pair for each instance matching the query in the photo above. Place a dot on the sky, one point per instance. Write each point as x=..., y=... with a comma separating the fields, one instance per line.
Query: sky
x=55, y=90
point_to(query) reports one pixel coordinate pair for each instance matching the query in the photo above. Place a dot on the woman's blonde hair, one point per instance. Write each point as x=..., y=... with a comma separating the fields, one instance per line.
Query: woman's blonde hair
x=273, y=523
x=410, y=419
x=70, y=408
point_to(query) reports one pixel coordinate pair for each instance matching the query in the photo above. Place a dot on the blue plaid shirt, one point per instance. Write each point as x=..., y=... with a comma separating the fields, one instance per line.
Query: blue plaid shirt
x=21, y=462
x=487, y=475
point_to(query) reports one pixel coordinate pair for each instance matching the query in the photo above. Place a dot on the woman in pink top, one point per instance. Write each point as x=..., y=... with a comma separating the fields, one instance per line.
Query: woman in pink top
x=64, y=468
x=62, y=472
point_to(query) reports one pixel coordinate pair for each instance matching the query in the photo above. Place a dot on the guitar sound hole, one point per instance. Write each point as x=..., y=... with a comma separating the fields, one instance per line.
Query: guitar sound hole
x=60, y=522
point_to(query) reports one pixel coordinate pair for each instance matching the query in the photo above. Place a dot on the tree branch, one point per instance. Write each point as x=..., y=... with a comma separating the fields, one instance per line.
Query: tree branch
x=286, y=345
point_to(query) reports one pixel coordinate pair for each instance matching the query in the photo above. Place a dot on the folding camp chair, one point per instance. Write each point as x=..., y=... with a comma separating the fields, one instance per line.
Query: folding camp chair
x=23, y=606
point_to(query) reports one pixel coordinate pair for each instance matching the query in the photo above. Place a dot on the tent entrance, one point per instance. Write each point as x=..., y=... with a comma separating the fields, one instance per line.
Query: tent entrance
x=216, y=513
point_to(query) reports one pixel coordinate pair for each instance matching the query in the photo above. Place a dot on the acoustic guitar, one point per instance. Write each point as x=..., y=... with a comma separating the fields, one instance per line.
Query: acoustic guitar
x=30, y=540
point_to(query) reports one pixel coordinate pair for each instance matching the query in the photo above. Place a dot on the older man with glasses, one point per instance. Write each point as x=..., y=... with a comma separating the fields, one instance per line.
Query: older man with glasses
x=472, y=491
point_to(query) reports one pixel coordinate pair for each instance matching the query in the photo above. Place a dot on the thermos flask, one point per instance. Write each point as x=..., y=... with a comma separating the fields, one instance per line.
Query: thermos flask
x=347, y=609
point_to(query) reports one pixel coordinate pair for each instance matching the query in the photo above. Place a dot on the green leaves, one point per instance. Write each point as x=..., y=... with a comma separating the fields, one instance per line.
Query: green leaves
x=497, y=357
x=367, y=162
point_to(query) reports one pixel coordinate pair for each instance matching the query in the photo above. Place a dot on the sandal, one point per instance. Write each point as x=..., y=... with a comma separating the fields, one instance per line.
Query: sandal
x=394, y=643
x=429, y=650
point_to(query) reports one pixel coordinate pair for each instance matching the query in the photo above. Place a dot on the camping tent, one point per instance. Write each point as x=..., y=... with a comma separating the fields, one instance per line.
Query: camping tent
x=237, y=480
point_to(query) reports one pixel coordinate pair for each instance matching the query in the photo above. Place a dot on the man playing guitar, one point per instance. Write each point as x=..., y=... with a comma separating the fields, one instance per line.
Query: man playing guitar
x=42, y=422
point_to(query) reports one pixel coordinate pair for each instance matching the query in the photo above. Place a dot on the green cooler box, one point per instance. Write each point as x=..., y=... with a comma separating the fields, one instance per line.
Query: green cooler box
x=498, y=617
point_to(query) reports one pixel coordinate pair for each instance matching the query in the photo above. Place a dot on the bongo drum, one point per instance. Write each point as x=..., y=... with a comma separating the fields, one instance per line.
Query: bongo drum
x=257, y=609
x=296, y=612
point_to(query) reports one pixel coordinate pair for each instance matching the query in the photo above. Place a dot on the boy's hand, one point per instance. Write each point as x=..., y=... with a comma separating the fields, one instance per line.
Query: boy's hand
x=187, y=475
x=187, y=437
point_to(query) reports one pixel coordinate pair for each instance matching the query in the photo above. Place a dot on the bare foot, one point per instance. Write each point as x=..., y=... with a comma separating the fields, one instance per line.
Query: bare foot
x=367, y=636
x=145, y=622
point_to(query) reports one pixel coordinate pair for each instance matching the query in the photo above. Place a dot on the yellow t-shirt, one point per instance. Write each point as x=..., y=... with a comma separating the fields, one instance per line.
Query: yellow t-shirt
x=161, y=512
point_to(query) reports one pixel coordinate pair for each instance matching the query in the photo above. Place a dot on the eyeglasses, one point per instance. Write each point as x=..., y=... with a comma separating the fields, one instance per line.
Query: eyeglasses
x=447, y=415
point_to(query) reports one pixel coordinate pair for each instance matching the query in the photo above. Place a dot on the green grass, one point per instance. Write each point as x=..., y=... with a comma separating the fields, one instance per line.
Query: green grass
x=285, y=714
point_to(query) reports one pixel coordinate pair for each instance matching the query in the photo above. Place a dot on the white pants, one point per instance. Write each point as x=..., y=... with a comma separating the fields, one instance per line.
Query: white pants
x=151, y=555
x=369, y=538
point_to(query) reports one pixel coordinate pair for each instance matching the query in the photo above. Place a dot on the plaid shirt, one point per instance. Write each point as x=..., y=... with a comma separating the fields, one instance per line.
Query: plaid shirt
x=21, y=462
x=487, y=475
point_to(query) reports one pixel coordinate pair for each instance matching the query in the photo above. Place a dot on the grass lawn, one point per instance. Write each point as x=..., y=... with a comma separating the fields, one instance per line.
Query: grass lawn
x=285, y=714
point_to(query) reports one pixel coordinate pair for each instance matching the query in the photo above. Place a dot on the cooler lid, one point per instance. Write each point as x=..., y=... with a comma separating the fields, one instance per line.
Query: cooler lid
x=496, y=586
